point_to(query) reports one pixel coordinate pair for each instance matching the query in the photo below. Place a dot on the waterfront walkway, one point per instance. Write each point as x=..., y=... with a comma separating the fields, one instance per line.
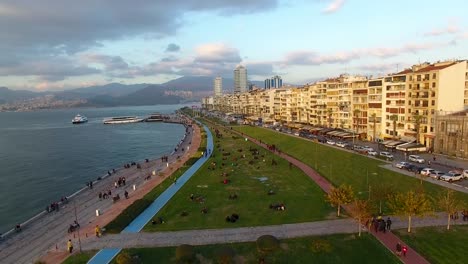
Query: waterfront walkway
x=106, y=255
x=46, y=236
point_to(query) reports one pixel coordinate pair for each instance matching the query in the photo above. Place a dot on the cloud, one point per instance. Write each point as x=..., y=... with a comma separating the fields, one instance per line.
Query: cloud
x=450, y=29
x=110, y=63
x=216, y=53
x=172, y=48
x=315, y=58
x=333, y=6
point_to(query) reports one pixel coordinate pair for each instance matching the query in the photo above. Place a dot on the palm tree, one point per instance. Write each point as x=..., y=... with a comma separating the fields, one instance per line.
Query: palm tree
x=330, y=112
x=356, y=113
x=394, y=118
x=417, y=123
x=374, y=121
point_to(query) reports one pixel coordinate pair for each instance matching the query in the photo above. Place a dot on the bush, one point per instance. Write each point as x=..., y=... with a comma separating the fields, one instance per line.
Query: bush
x=202, y=149
x=267, y=243
x=127, y=216
x=191, y=161
x=185, y=254
x=321, y=246
x=225, y=255
x=124, y=258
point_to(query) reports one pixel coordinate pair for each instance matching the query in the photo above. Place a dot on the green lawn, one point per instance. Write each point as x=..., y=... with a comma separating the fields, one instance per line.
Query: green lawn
x=251, y=179
x=80, y=258
x=342, y=167
x=437, y=244
x=336, y=249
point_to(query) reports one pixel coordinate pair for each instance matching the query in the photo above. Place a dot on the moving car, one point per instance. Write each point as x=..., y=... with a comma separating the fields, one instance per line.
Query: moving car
x=386, y=155
x=427, y=171
x=416, y=158
x=402, y=165
x=451, y=176
x=436, y=174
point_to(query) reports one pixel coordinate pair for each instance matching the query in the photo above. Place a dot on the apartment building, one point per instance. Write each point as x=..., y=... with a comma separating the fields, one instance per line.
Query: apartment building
x=452, y=134
x=374, y=109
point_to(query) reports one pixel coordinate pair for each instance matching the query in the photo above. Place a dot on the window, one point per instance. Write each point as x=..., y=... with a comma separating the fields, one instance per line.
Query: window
x=433, y=102
x=433, y=85
x=418, y=78
x=426, y=76
x=442, y=127
x=434, y=75
x=411, y=76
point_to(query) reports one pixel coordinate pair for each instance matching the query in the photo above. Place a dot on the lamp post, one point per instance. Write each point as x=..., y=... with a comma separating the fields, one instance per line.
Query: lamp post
x=76, y=220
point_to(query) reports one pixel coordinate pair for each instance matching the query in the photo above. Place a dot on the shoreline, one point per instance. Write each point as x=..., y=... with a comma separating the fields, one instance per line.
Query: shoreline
x=5, y=236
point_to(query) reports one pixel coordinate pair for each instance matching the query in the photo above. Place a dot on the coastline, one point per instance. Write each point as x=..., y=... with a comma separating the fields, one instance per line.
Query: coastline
x=85, y=196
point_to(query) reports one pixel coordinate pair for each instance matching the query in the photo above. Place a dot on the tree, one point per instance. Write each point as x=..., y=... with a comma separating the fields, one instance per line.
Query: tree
x=356, y=113
x=417, y=124
x=329, y=112
x=381, y=192
x=450, y=204
x=374, y=121
x=360, y=210
x=410, y=204
x=394, y=118
x=340, y=196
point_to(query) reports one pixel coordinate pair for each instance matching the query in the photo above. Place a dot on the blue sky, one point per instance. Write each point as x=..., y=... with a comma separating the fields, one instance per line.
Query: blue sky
x=62, y=44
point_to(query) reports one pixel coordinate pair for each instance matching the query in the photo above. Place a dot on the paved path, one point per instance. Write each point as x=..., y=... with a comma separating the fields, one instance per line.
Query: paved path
x=48, y=233
x=107, y=254
x=247, y=234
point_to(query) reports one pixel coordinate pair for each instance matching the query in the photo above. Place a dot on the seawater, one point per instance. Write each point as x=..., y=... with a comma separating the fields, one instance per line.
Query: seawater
x=43, y=156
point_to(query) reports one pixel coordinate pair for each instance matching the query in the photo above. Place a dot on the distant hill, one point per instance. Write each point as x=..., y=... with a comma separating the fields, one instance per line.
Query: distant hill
x=7, y=95
x=111, y=89
x=201, y=83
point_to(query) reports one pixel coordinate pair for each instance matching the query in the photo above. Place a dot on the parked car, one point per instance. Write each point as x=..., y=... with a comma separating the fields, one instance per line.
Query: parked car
x=368, y=148
x=465, y=173
x=414, y=168
x=386, y=155
x=426, y=171
x=372, y=153
x=402, y=165
x=296, y=134
x=436, y=174
x=416, y=158
x=451, y=176
x=330, y=142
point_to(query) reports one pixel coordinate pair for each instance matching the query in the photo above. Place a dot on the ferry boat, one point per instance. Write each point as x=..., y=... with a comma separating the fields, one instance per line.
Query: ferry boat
x=79, y=119
x=123, y=120
x=156, y=117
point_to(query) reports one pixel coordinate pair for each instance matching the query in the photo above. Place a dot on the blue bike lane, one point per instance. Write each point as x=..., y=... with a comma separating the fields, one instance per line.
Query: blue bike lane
x=105, y=256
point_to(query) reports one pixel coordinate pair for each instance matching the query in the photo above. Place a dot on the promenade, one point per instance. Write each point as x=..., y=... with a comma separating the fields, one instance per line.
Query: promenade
x=46, y=236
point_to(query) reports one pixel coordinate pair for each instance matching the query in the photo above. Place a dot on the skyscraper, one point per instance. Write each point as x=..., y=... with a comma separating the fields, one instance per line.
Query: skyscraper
x=218, y=86
x=274, y=82
x=240, y=79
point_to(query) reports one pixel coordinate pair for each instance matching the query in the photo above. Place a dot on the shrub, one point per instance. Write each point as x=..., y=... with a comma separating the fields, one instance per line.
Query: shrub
x=225, y=255
x=267, y=243
x=185, y=254
x=191, y=161
x=320, y=246
x=124, y=258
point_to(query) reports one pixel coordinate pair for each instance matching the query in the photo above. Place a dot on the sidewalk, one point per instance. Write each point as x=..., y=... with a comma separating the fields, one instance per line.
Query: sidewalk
x=48, y=234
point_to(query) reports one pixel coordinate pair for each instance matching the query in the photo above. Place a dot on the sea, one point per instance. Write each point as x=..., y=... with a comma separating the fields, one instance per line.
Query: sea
x=43, y=156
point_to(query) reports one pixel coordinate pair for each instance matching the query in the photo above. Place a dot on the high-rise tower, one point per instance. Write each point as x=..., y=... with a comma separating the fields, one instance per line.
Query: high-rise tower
x=218, y=86
x=240, y=79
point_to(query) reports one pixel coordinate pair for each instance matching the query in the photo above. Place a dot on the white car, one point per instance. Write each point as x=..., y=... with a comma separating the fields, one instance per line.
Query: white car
x=427, y=171
x=402, y=165
x=451, y=176
x=387, y=155
x=330, y=142
x=341, y=144
x=416, y=158
x=368, y=148
x=372, y=153
x=465, y=173
x=436, y=174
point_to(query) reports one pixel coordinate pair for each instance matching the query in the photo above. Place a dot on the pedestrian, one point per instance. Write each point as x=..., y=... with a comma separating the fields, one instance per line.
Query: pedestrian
x=405, y=249
x=434, y=158
x=175, y=180
x=389, y=224
x=398, y=249
x=429, y=163
x=70, y=246
x=126, y=194
x=97, y=231
x=100, y=196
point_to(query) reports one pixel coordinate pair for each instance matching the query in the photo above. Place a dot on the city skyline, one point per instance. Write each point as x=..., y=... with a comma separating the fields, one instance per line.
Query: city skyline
x=154, y=41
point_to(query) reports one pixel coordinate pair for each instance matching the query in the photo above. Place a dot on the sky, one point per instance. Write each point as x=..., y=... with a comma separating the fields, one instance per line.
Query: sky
x=63, y=44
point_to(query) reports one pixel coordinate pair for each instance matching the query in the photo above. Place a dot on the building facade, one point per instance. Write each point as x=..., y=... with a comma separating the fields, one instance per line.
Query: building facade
x=218, y=86
x=452, y=134
x=240, y=79
x=274, y=82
